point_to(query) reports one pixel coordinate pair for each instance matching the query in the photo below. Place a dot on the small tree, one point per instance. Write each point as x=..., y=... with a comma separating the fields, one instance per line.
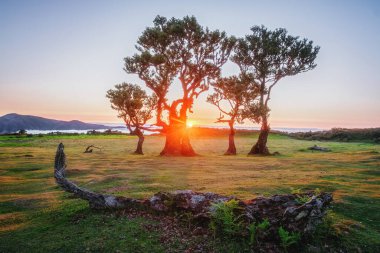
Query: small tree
x=182, y=50
x=21, y=131
x=267, y=57
x=135, y=107
x=230, y=95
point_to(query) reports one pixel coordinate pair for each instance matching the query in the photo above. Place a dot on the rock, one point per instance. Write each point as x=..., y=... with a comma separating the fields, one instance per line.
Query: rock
x=318, y=148
x=301, y=215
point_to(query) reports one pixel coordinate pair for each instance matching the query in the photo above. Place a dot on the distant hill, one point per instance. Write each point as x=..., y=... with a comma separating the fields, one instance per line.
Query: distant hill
x=13, y=122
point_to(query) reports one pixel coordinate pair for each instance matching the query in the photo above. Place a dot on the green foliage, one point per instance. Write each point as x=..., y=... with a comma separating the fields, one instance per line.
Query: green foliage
x=295, y=190
x=22, y=131
x=133, y=105
x=288, y=238
x=234, y=90
x=223, y=219
x=264, y=224
x=252, y=233
x=179, y=49
x=341, y=134
x=253, y=228
x=265, y=57
x=302, y=199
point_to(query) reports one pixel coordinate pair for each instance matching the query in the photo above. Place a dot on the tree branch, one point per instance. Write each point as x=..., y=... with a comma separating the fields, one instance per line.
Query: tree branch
x=269, y=90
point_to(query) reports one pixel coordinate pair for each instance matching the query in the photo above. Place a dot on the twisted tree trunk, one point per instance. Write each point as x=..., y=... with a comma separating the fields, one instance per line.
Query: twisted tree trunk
x=231, y=140
x=177, y=138
x=139, y=149
x=260, y=147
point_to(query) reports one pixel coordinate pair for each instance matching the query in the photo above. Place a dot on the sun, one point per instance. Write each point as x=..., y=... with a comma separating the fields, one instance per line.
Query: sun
x=189, y=124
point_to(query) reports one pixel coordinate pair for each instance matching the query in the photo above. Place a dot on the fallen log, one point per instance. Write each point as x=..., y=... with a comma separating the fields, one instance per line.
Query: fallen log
x=295, y=212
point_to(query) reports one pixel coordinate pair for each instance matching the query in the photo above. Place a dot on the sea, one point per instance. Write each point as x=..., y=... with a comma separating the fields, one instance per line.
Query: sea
x=123, y=129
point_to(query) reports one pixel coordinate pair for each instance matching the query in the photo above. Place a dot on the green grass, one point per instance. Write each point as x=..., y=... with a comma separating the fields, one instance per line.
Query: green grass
x=36, y=216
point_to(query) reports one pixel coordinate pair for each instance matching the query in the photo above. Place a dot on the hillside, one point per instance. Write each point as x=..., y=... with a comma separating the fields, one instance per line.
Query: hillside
x=13, y=122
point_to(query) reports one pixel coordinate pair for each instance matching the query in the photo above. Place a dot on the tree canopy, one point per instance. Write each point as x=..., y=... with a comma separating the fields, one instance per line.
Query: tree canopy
x=183, y=53
x=267, y=56
x=178, y=50
x=134, y=106
x=231, y=96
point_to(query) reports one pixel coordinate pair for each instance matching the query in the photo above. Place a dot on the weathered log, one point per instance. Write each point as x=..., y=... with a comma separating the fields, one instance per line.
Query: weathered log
x=287, y=211
x=96, y=200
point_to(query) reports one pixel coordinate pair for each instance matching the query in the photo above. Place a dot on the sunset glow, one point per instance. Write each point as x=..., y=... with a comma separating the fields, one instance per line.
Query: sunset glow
x=80, y=56
x=189, y=124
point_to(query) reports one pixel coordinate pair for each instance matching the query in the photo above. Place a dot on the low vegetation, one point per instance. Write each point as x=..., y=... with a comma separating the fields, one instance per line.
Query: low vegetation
x=36, y=216
x=341, y=134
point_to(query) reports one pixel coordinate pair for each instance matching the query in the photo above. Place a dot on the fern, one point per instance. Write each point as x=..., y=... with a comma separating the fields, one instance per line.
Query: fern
x=253, y=228
x=288, y=239
x=252, y=233
x=224, y=219
x=264, y=224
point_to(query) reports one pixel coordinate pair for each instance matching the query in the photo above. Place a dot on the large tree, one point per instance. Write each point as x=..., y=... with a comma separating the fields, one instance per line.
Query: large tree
x=267, y=56
x=135, y=107
x=178, y=52
x=231, y=96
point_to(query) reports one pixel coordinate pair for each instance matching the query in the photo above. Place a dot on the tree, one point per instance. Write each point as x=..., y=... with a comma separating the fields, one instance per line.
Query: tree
x=266, y=57
x=178, y=52
x=233, y=93
x=21, y=131
x=135, y=107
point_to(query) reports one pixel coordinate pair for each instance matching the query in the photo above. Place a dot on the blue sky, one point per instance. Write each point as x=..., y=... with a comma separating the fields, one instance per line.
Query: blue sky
x=58, y=58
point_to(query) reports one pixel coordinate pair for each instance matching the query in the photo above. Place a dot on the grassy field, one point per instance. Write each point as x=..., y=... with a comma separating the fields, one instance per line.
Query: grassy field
x=36, y=216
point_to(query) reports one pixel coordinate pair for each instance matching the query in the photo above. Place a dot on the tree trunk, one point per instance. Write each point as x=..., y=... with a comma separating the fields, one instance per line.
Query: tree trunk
x=177, y=142
x=177, y=138
x=139, y=150
x=231, y=141
x=260, y=148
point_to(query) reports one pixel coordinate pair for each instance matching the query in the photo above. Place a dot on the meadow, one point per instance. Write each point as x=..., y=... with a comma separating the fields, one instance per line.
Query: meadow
x=37, y=216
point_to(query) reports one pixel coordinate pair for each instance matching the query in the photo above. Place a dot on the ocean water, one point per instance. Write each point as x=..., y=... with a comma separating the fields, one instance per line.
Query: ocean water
x=123, y=129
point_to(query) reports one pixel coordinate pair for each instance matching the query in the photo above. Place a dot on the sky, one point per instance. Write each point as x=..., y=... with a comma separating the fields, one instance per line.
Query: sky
x=58, y=58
